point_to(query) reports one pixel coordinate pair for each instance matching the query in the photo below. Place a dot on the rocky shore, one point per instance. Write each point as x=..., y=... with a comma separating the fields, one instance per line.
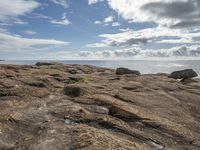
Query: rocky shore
x=78, y=107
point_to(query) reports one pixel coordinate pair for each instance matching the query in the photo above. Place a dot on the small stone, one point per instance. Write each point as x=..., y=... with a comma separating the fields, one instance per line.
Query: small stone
x=69, y=122
x=99, y=109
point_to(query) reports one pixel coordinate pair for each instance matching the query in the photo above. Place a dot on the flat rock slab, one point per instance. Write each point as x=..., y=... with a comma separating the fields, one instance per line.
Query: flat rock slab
x=80, y=107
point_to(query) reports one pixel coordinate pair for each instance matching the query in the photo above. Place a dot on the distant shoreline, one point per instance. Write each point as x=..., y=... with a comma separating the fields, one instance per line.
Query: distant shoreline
x=145, y=67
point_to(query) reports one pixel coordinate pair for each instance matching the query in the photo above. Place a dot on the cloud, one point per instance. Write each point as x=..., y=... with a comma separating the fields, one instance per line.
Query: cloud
x=177, y=23
x=39, y=16
x=63, y=22
x=29, y=32
x=10, y=10
x=179, y=51
x=12, y=42
x=95, y=45
x=115, y=24
x=130, y=37
x=107, y=21
x=91, y=2
x=137, y=52
x=97, y=22
x=109, y=54
x=169, y=13
x=62, y=3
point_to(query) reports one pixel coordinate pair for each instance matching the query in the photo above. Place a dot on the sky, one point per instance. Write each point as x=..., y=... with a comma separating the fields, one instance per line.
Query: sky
x=99, y=29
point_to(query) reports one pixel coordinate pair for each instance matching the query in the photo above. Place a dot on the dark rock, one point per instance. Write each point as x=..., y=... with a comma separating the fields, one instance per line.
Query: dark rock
x=73, y=91
x=122, y=71
x=44, y=64
x=36, y=84
x=8, y=92
x=183, y=74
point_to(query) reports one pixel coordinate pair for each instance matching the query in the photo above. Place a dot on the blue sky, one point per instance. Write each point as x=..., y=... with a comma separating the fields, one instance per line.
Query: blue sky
x=99, y=29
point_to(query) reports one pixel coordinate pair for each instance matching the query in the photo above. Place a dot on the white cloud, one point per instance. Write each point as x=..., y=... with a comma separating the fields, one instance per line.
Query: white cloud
x=62, y=3
x=11, y=9
x=29, y=32
x=180, y=52
x=19, y=22
x=109, y=19
x=12, y=42
x=125, y=30
x=90, y=2
x=138, y=53
x=127, y=38
x=130, y=37
x=97, y=22
x=95, y=45
x=169, y=13
x=115, y=24
x=63, y=22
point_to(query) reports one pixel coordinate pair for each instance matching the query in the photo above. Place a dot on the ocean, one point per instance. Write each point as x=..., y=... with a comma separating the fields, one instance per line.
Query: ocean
x=144, y=66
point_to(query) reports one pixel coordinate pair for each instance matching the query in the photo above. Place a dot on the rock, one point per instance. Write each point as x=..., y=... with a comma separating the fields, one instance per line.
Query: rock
x=122, y=71
x=44, y=64
x=73, y=91
x=99, y=109
x=183, y=74
x=36, y=83
x=73, y=71
x=49, y=108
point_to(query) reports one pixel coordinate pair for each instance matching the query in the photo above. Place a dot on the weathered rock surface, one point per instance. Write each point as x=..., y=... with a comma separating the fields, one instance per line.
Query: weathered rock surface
x=50, y=107
x=122, y=71
x=183, y=74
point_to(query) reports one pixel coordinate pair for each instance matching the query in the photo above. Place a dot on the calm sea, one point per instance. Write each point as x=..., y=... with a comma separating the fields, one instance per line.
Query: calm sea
x=144, y=66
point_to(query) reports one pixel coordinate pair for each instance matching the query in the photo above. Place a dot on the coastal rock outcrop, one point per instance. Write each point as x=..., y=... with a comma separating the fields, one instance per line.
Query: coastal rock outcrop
x=47, y=106
x=183, y=74
x=122, y=71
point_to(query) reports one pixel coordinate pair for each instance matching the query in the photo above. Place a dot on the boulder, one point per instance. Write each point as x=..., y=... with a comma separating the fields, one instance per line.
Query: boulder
x=73, y=90
x=44, y=64
x=122, y=71
x=183, y=74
